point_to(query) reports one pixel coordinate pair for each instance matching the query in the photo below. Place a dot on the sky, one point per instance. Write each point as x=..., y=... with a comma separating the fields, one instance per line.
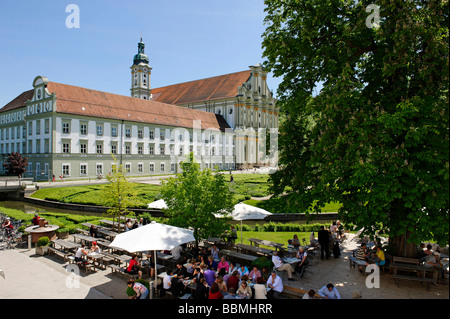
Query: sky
x=185, y=41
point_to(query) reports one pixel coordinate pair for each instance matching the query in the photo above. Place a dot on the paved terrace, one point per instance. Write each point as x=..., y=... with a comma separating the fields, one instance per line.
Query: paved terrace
x=28, y=275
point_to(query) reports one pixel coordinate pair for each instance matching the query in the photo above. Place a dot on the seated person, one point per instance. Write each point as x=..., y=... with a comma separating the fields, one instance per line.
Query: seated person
x=181, y=271
x=254, y=274
x=201, y=291
x=215, y=252
x=380, y=256
x=212, y=263
x=35, y=220
x=80, y=253
x=302, y=256
x=133, y=267
x=243, y=271
x=95, y=248
x=233, y=281
x=280, y=266
x=222, y=267
x=93, y=232
x=177, y=286
x=295, y=242
x=244, y=290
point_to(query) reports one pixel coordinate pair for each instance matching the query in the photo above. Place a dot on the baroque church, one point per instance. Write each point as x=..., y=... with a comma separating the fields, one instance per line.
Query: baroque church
x=65, y=131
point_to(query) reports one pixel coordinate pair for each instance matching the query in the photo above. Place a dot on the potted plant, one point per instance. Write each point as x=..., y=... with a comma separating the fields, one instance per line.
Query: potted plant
x=42, y=245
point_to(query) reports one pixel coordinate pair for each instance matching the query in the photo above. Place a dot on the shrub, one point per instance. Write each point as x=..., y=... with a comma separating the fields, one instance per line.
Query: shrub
x=262, y=262
x=43, y=241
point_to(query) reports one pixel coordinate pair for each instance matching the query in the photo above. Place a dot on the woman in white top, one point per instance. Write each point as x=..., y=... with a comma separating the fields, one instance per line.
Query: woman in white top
x=260, y=289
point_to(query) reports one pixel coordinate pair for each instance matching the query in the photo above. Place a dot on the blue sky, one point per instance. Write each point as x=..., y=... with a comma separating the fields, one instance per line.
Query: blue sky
x=185, y=41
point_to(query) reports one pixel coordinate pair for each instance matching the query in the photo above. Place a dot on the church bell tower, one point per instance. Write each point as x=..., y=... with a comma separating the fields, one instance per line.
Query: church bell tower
x=140, y=74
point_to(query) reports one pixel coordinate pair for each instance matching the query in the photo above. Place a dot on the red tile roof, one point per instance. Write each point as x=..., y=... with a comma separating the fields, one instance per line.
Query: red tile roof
x=20, y=101
x=81, y=101
x=218, y=87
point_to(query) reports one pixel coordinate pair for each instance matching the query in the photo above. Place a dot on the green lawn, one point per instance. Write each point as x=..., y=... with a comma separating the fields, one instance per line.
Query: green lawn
x=243, y=188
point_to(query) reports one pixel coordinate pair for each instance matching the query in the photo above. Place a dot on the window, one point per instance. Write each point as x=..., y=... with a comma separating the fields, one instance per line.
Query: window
x=163, y=167
x=46, y=146
x=99, y=130
x=83, y=169
x=66, y=169
x=113, y=131
x=151, y=134
x=127, y=168
x=30, y=129
x=99, y=148
x=47, y=126
x=151, y=150
x=66, y=148
x=181, y=150
x=38, y=147
x=83, y=129
x=152, y=167
x=83, y=148
x=38, y=127
x=162, y=136
x=127, y=149
x=162, y=149
x=172, y=167
x=140, y=168
x=66, y=127
x=99, y=169
x=114, y=148
x=140, y=133
x=140, y=149
x=127, y=132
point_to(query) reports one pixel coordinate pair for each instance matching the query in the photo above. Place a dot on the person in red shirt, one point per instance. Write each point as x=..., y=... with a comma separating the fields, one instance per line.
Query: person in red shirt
x=132, y=268
x=233, y=281
x=214, y=292
x=35, y=219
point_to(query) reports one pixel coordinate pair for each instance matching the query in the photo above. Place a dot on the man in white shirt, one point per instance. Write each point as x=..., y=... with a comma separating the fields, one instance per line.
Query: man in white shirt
x=276, y=284
x=280, y=266
x=167, y=282
x=329, y=292
x=176, y=252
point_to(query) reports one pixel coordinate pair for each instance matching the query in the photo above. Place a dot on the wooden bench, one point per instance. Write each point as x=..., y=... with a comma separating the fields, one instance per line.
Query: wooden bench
x=296, y=293
x=58, y=252
x=121, y=270
x=83, y=231
x=416, y=272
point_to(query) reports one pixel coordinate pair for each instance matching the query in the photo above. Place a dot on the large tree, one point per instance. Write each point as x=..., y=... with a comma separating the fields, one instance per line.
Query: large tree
x=194, y=197
x=365, y=112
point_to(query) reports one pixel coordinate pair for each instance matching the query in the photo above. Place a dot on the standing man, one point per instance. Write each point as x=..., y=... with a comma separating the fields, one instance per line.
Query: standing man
x=324, y=240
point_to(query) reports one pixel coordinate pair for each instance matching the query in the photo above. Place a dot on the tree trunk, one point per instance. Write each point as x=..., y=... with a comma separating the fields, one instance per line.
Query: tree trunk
x=401, y=247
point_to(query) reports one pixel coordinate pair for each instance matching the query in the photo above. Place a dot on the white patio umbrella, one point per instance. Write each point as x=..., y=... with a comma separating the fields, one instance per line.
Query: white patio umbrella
x=153, y=236
x=247, y=212
x=159, y=204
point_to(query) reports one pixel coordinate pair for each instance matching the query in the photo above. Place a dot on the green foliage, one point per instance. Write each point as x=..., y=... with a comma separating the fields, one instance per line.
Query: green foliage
x=119, y=194
x=15, y=164
x=194, y=197
x=262, y=262
x=43, y=241
x=375, y=136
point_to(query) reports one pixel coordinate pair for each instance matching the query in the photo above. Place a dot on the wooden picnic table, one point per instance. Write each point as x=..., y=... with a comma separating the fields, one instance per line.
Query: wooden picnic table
x=265, y=243
x=82, y=237
x=65, y=245
x=254, y=249
x=109, y=223
x=237, y=255
x=108, y=233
